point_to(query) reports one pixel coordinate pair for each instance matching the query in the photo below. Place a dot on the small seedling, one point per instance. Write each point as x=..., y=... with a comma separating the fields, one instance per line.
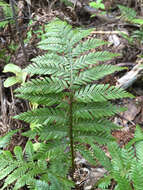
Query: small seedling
x=20, y=75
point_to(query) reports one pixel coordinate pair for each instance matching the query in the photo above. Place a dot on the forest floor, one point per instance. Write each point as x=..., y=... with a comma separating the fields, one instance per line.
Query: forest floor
x=119, y=32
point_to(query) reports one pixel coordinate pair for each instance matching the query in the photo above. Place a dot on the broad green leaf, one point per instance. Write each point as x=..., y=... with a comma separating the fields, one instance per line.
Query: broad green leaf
x=12, y=68
x=11, y=81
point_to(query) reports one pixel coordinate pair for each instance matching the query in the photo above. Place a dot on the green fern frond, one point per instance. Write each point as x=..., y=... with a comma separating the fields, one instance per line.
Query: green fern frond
x=137, y=175
x=90, y=137
x=123, y=183
x=50, y=132
x=4, y=140
x=117, y=160
x=42, y=115
x=75, y=36
x=139, y=151
x=43, y=99
x=93, y=58
x=99, y=93
x=127, y=13
x=98, y=72
x=138, y=136
x=23, y=169
x=46, y=86
x=71, y=109
x=86, y=46
x=41, y=185
x=87, y=154
x=104, y=182
x=101, y=157
x=48, y=69
x=95, y=110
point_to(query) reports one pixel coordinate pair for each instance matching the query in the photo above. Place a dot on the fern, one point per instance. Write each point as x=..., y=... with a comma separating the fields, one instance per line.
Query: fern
x=23, y=169
x=127, y=13
x=4, y=141
x=71, y=109
x=126, y=165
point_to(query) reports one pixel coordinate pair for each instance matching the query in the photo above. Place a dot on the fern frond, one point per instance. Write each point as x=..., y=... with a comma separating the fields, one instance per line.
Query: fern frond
x=139, y=151
x=92, y=59
x=94, y=125
x=90, y=138
x=75, y=36
x=95, y=110
x=24, y=169
x=46, y=86
x=42, y=115
x=104, y=182
x=99, y=93
x=29, y=151
x=127, y=13
x=47, y=69
x=51, y=132
x=18, y=153
x=87, y=154
x=138, y=137
x=48, y=58
x=95, y=73
x=41, y=185
x=4, y=140
x=137, y=175
x=70, y=111
x=101, y=157
x=43, y=99
x=86, y=46
x=123, y=183
x=116, y=154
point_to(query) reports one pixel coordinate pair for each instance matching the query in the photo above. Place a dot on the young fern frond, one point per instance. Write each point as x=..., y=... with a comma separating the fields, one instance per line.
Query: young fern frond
x=72, y=105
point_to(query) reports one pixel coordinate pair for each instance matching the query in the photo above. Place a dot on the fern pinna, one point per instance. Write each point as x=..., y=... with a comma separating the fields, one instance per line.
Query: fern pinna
x=72, y=108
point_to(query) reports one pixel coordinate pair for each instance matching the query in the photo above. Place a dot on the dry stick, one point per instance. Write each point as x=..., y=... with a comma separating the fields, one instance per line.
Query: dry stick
x=130, y=77
x=18, y=30
x=3, y=107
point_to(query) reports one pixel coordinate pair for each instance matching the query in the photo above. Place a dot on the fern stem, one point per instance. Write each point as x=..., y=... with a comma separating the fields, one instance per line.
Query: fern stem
x=71, y=133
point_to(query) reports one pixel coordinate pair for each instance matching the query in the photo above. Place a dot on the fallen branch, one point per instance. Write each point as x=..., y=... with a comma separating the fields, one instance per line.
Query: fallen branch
x=129, y=78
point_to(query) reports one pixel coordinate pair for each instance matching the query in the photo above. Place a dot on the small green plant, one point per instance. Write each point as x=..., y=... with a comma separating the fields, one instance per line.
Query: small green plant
x=5, y=58
x=130, y=15
x=73, y=107
x=20, y=75
x=7, y=12
x=97, y=5
x=126, y=165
